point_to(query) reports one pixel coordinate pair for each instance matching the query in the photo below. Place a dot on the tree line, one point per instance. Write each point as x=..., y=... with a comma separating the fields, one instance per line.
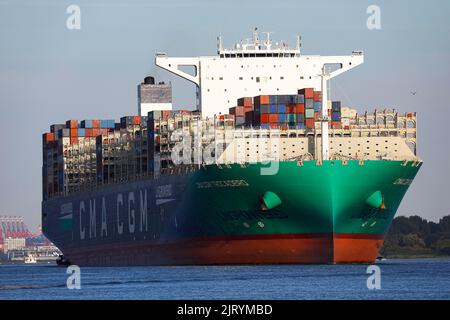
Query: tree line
x=415, y=236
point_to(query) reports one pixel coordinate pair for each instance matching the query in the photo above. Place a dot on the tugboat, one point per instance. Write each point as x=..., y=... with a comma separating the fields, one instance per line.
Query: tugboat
x=61, y=261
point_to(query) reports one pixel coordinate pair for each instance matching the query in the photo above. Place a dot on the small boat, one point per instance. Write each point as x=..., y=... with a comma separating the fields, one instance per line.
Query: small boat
x=61, y=261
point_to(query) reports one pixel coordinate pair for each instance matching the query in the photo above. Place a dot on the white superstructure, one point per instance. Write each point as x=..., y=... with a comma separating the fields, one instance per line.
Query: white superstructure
x=252, y=68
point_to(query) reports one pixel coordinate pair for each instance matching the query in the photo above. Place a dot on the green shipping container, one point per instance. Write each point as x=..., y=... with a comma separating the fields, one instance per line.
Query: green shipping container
x=291, y=117
x=309, y=113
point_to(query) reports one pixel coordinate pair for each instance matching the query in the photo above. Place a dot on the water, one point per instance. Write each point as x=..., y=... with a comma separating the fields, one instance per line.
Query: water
x=400, y=279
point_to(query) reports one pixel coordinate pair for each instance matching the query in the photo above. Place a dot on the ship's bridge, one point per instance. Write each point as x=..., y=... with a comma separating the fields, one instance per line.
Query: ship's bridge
x=251, y=68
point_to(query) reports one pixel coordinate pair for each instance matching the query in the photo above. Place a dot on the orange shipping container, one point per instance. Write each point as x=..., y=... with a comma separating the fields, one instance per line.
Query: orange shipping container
x=264, y=99
x=136, y=120
x=95, y=124
x=48, y=137
x=308, y=92
x=72, y=124
x=73, y=133
x=73, y=140
x=88, y=132
x=300, y=108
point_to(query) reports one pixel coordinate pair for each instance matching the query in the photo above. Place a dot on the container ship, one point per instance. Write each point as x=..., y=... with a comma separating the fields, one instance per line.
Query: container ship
x=266, y=170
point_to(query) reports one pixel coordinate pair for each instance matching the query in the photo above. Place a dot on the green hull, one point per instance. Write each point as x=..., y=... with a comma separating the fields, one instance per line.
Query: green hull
x=327, y=198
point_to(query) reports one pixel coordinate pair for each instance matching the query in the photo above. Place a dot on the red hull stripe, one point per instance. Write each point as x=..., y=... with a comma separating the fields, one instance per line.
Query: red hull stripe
x=291, y=236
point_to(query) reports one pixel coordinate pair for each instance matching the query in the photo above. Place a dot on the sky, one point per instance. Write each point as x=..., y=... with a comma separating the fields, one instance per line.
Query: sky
x=49, y=73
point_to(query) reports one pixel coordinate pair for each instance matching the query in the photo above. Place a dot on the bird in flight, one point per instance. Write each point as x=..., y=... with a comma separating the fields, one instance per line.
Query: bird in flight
x=413, y=92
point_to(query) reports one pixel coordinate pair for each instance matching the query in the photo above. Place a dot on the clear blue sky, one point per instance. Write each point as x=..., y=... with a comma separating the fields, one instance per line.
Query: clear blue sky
x=49, y=74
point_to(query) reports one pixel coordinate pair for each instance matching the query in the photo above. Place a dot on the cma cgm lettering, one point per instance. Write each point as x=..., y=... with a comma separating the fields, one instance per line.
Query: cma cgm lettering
x=130, y=215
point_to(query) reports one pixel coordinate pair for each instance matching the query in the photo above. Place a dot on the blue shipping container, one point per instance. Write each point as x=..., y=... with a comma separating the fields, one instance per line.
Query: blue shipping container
x=273, y=99
x=282, y=99
x=281, y=108
x=265, y=108
x=317, y=106
x=336, y=105
x=86, y=124
x=273, y=108
x=336, y=116
x=81, y=132
x=300, y=98
x=282, y=118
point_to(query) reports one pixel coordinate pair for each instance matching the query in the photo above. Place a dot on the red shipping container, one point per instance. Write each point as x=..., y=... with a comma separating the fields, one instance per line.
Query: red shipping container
x=72, y=124
x=73, y=133
x=245, y=102
x=237, y=111
x=88, y=132
x=104, y=131
x=336, y=124
x=136, y=120
x=300, y=108
x=309, y=123
x=307, y=92
x=73, y=140
x=95, y=132
x=317, y=96
x=273, y=118
x=95, y=124
x=248, y=109
x=316, y=116
x=264, y=118
x=290, y=108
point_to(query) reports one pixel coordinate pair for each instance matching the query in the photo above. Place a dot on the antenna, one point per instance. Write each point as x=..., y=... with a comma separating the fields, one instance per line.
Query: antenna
x=255, y=37
x=268, y=42
x=219, y=44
